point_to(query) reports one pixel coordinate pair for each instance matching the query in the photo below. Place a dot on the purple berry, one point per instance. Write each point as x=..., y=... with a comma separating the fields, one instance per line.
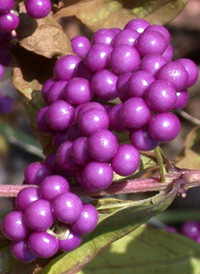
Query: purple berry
x=60, y=115
x=115, y=119
x=56, y=91
x=97, y=176
x=26, y=196
x=36, y=172
x=191, y=69
x=152, y=63
x=160, y=29
x=168, y=53
x=2, y=71
x=139, y=82
x=181, y=99
x=83, y=108
x=138, y=25
x=171, y=229
x=9, y=21
x=73, y=132
x=78, y=91
x=174, y=73
x=65, y=67
x=122, y=86
x=97, y=57
x=124, y=59
x=42, y=244
x=126, y=37
x=59, y=139
x=6, y=6
x=67, y=207
x=102, y=145
x=80, y=152
x=103, y=36
x=151, y=42
x=51, y=160
x=14, y=226
x=142, y=141
x=38, y=8
x=73, y=240
x=45, y=88
x=191, y=229
x=135, y=113
x=164, y=127
x=87, y=222
x=53, y=186
x=21, y=252
x=80, y=45
x=38, y=215
x=98, y=120
x=83, y=71
x=161, y=96
x=64, y=156
x=42, y=120
x=126, y=161
x=104, y=85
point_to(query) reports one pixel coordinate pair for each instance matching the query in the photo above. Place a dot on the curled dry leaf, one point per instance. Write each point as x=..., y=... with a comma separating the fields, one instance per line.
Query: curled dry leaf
x=42, y=36
x=108, y=13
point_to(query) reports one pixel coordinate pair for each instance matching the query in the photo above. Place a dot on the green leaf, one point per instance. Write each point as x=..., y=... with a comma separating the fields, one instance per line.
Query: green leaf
x=117, y=219
x=148, y=250
x=98, y=14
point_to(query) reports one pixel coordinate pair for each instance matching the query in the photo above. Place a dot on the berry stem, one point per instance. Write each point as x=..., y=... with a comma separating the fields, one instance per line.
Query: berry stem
x=190, y=178
x=159, y=158
x=189, y=117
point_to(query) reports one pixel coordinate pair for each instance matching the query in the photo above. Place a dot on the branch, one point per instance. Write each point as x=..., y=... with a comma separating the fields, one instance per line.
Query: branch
x=190, y=178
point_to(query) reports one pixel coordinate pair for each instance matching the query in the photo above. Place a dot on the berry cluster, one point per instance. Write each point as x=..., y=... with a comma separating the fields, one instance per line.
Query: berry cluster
x=190, y=229
x=9, y=18
x=47, y=218
x=135, y=65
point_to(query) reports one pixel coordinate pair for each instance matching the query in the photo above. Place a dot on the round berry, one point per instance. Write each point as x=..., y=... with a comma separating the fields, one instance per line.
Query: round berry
x=168, y=53
x=64, y=156
x=80, y=152
x=38, y=215
x=191, y=69
x=142, y=141
x=26, y=196
x=126, y=37
x=67, y=207
x=191, y=229
x=160, y=29
x=9, y=21
x=21, y=252
x=126, y=161
x=78, y=91
x=38, y=8
x=6, y=6
x=80, y=45
x=115, y=119
x=14, y=226
x=83, y=108
x=73, y=132
x=104, y=85
x=43, y=244
x=152, y=63
x=181, y=99
x=103, y=36
x=56, y=91
x=73, y=240
x=36, y=172
x=102, y=145
x=42, y=120
x=135, y=113
x=122, y=86
x=60, y=115
x=164, y=127
x=87, y=221
x=138, y=25
x=124, y=59
x=53, y=186
x=97, y=176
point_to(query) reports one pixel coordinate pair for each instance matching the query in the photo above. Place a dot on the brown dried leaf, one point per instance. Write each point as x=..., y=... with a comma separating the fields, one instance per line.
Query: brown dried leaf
x=42, y=36
x=109, y=13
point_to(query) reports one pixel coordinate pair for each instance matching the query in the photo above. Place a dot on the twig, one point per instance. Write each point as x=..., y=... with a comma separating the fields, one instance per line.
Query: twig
x=189, y=117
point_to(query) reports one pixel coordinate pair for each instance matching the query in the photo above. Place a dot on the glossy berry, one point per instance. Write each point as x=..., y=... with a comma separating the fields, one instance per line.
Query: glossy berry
x=164, y=127
x=168, y=53
x=41, y=120
x=152, y=63
x=64, y=156
x=38, y=8
x=126, y=37
x=181, y=99
x=67, y=207
x=78, y=91
x=60, y=115
x=9, y=21
x=73, y=240
x=98, y=120
x=65, y=67
x=26, y=196
x=161, y=30
x=103, y=36
x=43, y=244
x=14, y=226
x=46, y=86
x=53, y=186
x=122, y=86
x=87, y=221
x=191, y=69
x=102, y=145
x=151, y=42
x=38, y=215
x=142, y=140
x=36, y=172
x=56, y=91
x=161, y=96
x=80, y=45
x=21, y=251
x=83, y=108
x=124, y=59
x=97, y=176
x=6, y=6
x=97, y=57
x=126, y=161
x=135, y=113
x=191, y=229
x=104, y=85
x=138, y=25
x=115, y=119
x=80, y=152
